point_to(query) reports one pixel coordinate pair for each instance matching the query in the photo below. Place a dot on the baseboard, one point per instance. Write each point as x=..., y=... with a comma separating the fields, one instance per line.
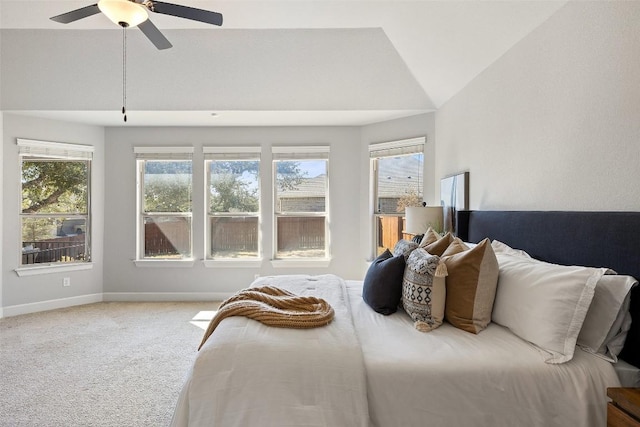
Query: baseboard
x=165, y=296
x=34, y=307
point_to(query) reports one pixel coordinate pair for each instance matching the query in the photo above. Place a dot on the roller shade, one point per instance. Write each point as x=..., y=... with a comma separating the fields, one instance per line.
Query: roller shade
x=163, y=153
x=397, y=148
x=231, y=153
x=301, y=153
x=55, y=150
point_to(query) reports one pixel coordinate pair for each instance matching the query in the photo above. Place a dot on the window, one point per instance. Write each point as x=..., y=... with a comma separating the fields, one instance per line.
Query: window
x=55, y=208
x=397, y=170
x=233, y=202
x=164, y=203
x=301, y=202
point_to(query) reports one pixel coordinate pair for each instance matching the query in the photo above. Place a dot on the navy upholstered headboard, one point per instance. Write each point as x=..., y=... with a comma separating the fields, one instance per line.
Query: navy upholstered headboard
x=595, y=239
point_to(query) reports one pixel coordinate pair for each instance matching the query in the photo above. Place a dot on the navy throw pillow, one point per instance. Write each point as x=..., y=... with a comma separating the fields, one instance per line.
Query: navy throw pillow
x=382, y=289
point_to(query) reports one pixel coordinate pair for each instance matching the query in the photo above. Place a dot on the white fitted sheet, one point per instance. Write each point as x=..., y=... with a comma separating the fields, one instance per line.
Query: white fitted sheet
x=449, y=377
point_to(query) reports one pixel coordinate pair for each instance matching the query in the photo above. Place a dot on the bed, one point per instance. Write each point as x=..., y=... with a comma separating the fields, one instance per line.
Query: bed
x=368, y=369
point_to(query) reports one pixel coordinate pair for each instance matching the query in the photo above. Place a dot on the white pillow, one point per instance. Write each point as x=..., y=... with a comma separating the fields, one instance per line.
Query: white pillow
x=544, y=303
x=608, y=320
x=503, y=248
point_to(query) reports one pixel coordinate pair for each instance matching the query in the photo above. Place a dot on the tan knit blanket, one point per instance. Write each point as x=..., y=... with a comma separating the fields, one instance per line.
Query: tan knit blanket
x=274, y=307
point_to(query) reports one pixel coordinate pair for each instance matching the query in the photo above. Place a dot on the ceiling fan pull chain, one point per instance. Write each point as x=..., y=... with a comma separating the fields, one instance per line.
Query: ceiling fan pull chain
x=124, y=72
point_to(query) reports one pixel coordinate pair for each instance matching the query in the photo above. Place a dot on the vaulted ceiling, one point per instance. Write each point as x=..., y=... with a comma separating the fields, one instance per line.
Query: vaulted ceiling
x=274, y=62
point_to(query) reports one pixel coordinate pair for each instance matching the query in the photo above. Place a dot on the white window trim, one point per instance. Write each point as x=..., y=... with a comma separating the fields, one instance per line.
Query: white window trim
x=381, y=150
x=145, y=153
x=230, y=153
x=52, y=268
x=308, y=152
x=57, y=150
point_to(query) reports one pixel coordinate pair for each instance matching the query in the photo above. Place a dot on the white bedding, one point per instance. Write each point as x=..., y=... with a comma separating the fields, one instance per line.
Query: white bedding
x=249, y=374
x=449, y=377
x=366, y=369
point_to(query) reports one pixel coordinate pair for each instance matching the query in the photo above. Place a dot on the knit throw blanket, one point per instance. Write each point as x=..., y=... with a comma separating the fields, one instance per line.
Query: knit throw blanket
x=274, y=307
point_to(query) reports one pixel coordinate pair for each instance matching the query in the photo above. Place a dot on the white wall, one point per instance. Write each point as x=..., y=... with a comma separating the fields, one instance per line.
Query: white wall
x=1, y=179
x=555, y=123
x=122, y=276
x=32, y=293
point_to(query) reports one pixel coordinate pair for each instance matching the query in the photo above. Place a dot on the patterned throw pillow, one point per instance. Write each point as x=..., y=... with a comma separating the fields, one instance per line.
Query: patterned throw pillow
x=404, y=248
x=423, y=294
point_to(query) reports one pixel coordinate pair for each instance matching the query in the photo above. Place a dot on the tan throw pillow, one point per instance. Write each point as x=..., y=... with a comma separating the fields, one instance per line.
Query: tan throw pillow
x=440, y=245
x=455, y=247
x=423, y=294
x=471, y=287
x=429, y=237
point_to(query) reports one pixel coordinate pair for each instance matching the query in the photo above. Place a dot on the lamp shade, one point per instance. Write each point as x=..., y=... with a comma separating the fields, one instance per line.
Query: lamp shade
x=124, y=11
x=419, y=219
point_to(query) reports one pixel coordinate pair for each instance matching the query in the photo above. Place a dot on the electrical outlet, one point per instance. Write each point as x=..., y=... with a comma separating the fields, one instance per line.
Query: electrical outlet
x=66, y=281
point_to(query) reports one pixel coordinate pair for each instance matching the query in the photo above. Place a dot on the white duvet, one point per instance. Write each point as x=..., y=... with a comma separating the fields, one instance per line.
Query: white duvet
x=249, y=374
x=449, y=377
x=366, y=369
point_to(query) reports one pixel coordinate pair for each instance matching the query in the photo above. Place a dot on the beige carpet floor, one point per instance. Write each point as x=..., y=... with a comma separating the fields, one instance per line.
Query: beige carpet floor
x=106, y=364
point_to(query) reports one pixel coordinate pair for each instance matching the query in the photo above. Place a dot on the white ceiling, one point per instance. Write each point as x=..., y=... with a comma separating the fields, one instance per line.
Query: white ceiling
x=444, y=44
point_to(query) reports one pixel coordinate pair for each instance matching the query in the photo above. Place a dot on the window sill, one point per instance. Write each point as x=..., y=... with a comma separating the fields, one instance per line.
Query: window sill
x=232, y=263
x=301, y=263
x=164, y=263
x=52, y=268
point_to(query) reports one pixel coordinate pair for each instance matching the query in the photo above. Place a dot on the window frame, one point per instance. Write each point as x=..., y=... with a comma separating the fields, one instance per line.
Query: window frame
x=293, y=153
x=390, y=149
x=239, y=153
x=168, y=154
x=55, y=151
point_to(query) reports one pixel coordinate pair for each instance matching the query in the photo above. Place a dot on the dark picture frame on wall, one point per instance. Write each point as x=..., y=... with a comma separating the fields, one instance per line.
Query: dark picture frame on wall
x=454, y=196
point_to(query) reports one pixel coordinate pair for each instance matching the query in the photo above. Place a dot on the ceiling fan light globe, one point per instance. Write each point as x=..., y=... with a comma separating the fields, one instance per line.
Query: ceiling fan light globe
x=124, y=11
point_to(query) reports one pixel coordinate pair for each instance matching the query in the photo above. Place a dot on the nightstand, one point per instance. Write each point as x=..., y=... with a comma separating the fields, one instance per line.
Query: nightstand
x=624, y=410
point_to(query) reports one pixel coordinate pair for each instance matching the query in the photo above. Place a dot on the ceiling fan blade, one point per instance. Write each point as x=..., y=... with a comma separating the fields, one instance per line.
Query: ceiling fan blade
x=74, y=15
x=153, y=33
x=186, y=12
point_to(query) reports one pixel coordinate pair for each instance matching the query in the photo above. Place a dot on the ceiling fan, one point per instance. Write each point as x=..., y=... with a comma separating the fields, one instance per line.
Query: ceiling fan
x=131, y=13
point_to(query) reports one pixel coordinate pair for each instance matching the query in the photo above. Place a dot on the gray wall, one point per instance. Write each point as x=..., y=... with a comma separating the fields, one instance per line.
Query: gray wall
x=113, y=206
x=43, y=291
x=122, y=276
x=555, y=123
x=348, y=175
